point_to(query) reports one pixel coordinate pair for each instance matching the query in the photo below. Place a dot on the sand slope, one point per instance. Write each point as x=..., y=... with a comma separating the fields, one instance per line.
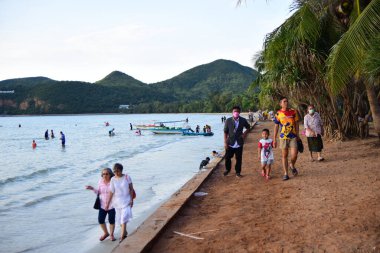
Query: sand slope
x=332, y=206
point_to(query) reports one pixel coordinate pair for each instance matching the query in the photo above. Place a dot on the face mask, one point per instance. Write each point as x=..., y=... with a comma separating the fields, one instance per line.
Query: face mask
x=311, y=111
x=236, y=114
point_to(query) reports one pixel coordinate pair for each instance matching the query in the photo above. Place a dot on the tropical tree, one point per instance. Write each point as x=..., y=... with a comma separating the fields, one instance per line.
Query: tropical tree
x=346, y=59
x=294, y=58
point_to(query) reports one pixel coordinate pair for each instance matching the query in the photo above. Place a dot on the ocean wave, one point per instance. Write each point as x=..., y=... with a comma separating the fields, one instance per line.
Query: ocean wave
x=29, y=176
x=45, y=198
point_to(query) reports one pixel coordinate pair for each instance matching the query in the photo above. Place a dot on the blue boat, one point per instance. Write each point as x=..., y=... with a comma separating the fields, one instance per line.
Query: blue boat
x=192, y=133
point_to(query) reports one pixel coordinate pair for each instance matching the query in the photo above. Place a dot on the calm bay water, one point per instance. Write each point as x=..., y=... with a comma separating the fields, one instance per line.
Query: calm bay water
x=43, y=204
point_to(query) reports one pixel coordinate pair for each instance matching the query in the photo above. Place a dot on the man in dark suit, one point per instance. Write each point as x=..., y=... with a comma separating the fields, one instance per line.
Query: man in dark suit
x=234, y=139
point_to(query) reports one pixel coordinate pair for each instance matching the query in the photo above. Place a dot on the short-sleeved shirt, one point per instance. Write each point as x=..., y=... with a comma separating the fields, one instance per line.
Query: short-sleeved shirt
x=287, y=120
x=120, y=188
x=104, y=193
x=266, y=146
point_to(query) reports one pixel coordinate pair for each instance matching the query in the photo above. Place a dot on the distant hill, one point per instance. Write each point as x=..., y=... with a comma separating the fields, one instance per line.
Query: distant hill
x=28, y=81
x=189, y=91
x=117, y=78
x=217, y=76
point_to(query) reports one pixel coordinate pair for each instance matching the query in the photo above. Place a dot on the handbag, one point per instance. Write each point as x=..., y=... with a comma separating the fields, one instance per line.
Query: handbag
x=300, y=146
x=97, y=203
x=133, y=194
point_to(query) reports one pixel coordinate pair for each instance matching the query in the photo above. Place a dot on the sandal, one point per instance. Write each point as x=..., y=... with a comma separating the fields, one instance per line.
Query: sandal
x=267, y=177
x=122, y=238
x=294, y=172
x=103, y=237
x=320, y=159
x=112, y=238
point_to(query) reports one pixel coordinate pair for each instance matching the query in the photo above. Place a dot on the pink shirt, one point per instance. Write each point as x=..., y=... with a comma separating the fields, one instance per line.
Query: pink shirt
x=104, y=190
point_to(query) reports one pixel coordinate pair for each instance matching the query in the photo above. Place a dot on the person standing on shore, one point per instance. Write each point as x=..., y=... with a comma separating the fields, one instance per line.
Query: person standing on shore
x=234, y=140
x=122, y=198
x=47, y=134
x=52, y=134
x=103, y=190
x=63, y=139
x=287, y=120
x=314, y=131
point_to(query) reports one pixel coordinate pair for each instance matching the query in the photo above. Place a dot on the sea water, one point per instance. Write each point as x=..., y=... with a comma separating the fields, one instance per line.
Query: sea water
x=44, y=206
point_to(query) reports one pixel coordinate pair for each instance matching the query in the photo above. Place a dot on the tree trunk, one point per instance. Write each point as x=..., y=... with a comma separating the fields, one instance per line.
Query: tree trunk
x=375, y=107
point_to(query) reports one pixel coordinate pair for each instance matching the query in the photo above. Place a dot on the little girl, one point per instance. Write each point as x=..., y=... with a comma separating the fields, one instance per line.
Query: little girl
x=265, y=153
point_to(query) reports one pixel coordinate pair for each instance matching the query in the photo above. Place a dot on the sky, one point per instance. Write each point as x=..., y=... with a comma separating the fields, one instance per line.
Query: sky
x=151, y=40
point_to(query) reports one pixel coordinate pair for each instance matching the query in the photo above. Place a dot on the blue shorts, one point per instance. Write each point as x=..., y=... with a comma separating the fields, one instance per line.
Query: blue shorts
x=270, y=161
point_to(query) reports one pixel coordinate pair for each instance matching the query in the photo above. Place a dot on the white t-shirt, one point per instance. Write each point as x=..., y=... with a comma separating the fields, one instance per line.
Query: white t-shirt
x=120, y=189
x=266, y=146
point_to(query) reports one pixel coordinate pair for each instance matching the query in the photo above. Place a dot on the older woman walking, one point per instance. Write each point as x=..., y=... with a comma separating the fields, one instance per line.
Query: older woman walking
x=314, y=131
x=122, y=198
x=103, y=190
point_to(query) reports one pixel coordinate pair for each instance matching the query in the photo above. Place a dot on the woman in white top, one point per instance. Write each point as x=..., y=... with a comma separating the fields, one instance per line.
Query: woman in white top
x=121, y=196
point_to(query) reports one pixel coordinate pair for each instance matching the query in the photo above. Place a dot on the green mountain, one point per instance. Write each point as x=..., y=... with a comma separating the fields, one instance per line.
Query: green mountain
x=203, y=80
x=191, y=91
x=117, y=78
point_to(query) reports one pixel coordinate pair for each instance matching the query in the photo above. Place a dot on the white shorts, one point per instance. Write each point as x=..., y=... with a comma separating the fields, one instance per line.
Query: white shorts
x=270, y=161
x=123, y=215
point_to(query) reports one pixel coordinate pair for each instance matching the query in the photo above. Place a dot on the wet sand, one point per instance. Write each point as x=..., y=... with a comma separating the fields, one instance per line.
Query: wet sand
x=331, y=206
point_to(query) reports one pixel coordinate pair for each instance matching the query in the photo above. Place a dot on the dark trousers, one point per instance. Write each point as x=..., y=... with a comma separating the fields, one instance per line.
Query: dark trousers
x=238, y=152
x=103, y=213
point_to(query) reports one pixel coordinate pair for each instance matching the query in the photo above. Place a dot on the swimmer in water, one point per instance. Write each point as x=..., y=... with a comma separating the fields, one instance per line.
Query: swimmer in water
x=34, y=144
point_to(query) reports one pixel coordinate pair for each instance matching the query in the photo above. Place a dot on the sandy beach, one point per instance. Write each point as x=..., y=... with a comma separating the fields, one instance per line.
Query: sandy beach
x=331, y=206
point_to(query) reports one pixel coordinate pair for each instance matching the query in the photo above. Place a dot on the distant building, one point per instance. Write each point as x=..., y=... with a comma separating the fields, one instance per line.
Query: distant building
x=124, y=107
x=7, y=91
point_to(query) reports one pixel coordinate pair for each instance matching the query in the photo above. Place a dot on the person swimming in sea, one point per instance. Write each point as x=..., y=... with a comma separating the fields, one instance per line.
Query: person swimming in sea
x=52, y=134
x=47, y=134
x=34, y=144
x=111, y=132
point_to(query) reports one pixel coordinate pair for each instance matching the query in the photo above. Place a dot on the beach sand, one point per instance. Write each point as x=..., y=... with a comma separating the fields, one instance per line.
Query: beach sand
x=331, y=206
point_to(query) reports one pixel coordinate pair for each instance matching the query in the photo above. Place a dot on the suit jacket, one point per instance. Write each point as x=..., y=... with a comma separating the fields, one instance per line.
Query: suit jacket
x=232, y=135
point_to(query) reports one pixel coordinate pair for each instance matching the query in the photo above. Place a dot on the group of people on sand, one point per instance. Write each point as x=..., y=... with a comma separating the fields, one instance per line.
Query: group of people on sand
x=286, y=128
x=63, y=138
x=115, y=188
x=116, y=193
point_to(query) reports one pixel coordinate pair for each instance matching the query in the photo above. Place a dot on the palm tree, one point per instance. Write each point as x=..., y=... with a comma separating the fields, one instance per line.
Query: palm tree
x=293, y=61
x=346, y=58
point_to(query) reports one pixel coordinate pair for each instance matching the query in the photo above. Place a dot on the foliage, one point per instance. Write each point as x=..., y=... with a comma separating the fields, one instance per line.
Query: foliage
x=347, y=55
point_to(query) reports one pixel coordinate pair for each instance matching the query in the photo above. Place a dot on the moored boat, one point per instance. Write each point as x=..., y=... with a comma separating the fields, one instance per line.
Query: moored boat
x=189, y=133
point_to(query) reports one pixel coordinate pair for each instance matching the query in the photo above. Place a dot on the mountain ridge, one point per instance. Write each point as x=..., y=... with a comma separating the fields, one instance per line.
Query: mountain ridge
x=191, y=87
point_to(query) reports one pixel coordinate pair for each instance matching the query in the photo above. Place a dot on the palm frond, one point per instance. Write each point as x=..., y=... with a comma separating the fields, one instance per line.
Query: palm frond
x=372, y=61
x=347, y=55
